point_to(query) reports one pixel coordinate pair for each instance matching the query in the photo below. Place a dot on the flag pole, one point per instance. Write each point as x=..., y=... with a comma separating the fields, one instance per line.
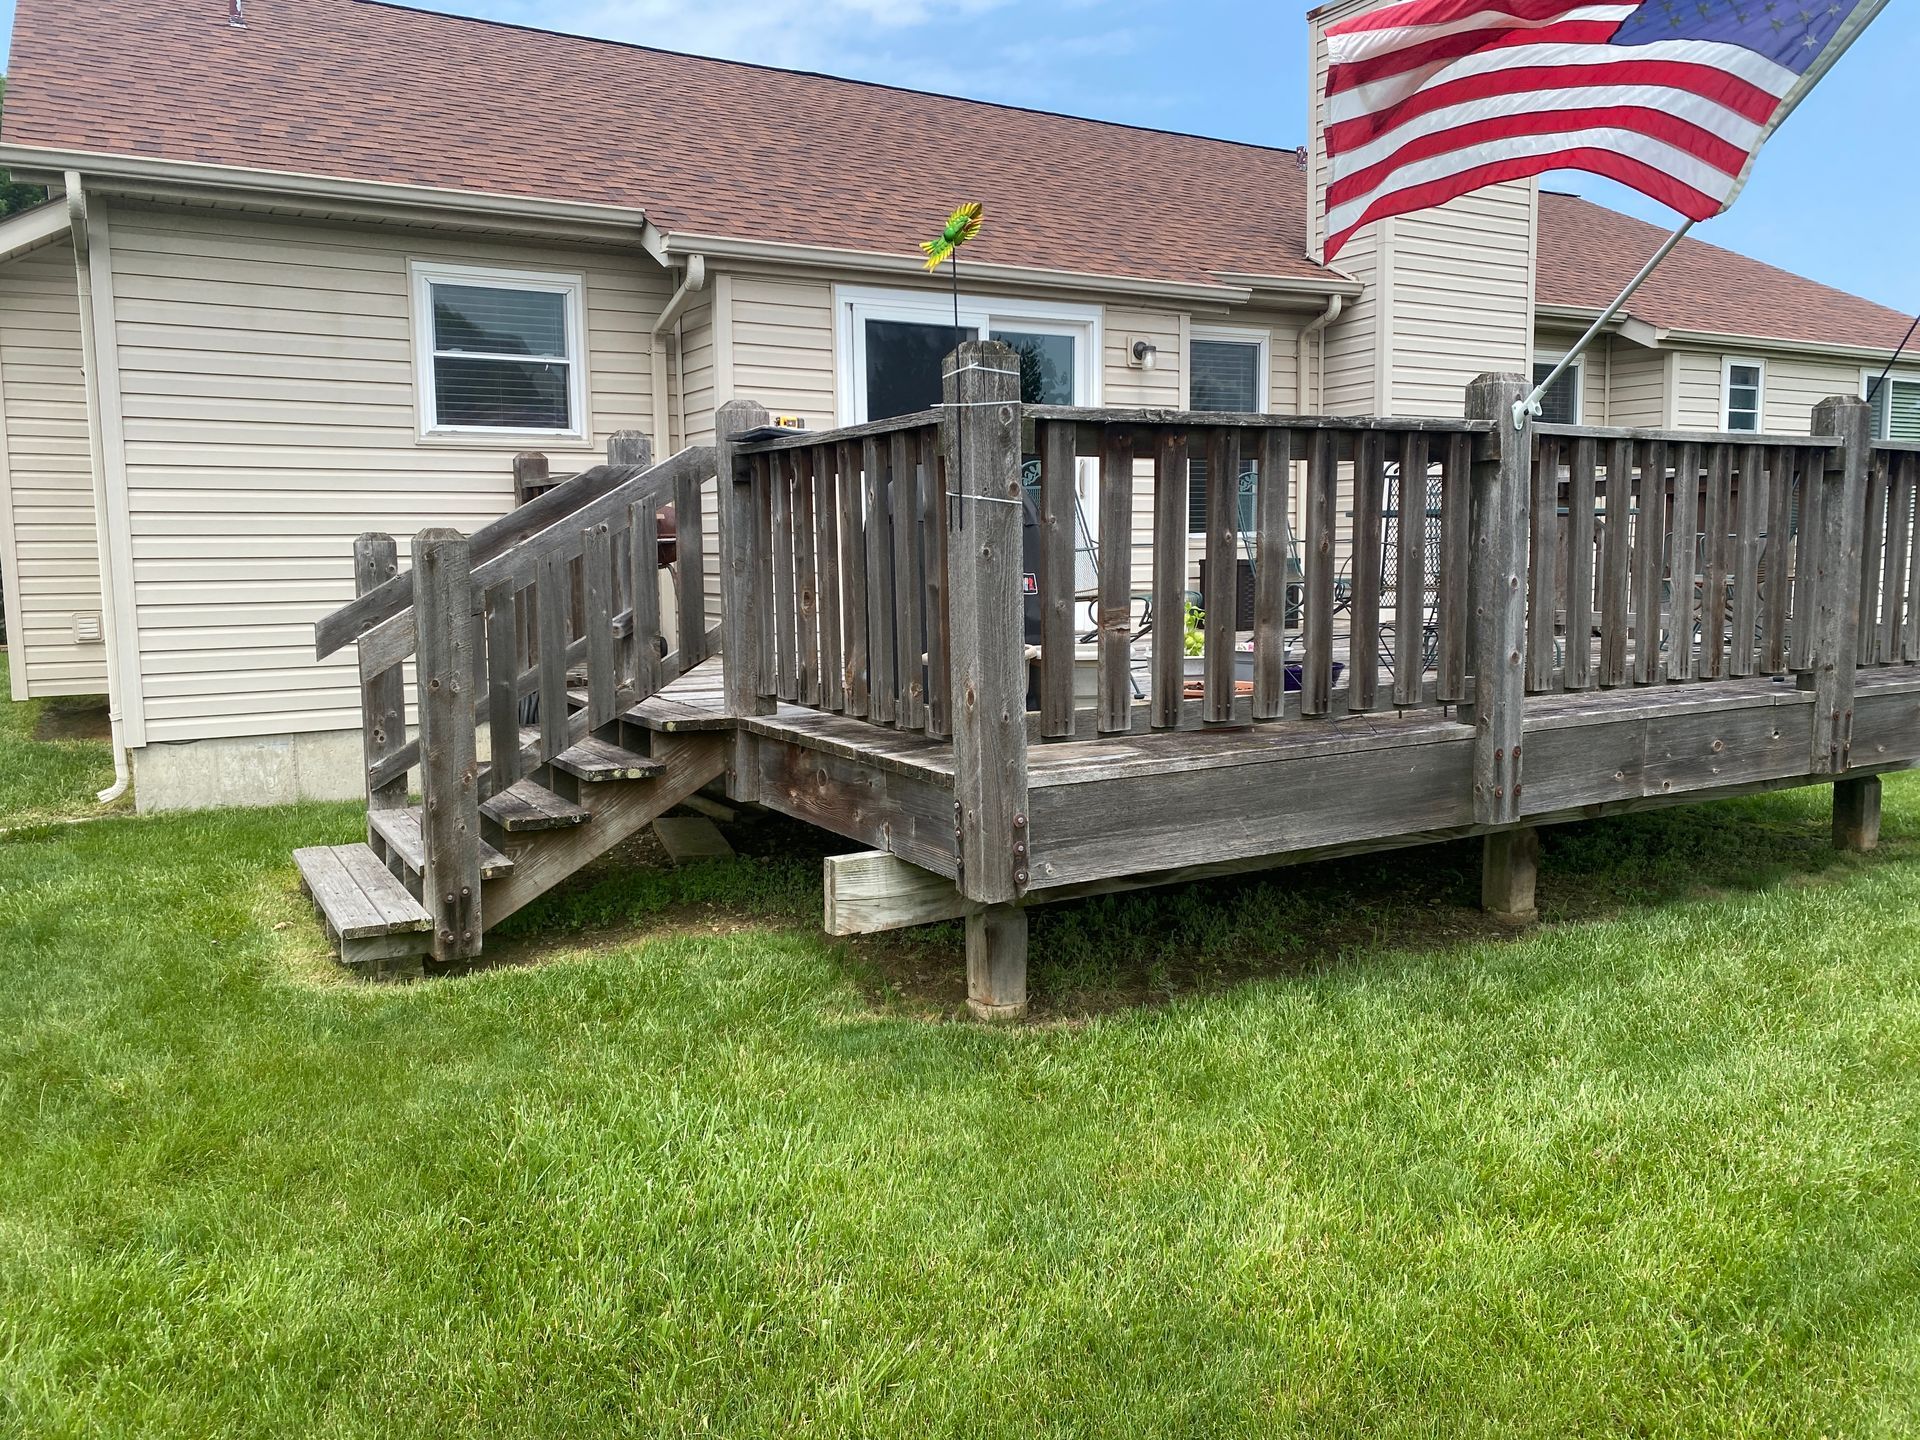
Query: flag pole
x=1531, y=405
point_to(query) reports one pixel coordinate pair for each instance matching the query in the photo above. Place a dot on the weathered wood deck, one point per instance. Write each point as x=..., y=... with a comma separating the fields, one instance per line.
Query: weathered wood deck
x=1585, y=622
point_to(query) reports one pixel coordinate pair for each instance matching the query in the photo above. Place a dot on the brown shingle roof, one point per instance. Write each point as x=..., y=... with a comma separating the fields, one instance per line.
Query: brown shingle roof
x=357, y=90
x=349, y=89
x=1588, y=253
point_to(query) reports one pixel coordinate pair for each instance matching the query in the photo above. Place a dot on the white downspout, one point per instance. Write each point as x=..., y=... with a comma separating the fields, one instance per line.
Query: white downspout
x=89, y=354
x=695, y=279
x=1302, y=358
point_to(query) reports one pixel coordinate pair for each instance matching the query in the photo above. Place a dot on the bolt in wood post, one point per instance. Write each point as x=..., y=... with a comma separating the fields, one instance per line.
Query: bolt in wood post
x=741, y=604
x=980, y=432
x=383, y=694
x=997, y=963
x=1836, y=585
x=1509, y=873
x=1856, y=813
x=449, y=766
x=1501, y=486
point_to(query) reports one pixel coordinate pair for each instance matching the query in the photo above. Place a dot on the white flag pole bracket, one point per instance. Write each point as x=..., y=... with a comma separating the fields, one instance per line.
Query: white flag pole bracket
x=1531, y=405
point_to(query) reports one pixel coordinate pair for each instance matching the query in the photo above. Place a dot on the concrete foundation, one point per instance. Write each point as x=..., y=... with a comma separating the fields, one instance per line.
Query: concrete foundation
x=254, y=770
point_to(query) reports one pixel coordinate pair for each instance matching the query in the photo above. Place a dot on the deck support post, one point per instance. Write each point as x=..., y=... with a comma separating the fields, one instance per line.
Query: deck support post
x=740, y=604
x=1837, y=580
x=449, y=765
x=980, y=439
x=1509, y=874
x=997, y=963
x=1856, y=814
x=1502, y=485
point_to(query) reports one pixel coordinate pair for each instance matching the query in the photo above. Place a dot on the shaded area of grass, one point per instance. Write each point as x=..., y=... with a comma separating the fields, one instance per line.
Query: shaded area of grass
x=49, y=778
x=1369, y=1169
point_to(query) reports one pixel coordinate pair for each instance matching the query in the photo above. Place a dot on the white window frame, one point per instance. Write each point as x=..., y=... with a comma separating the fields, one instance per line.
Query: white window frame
x=426, y=274
x=1578, y=370
x=1727, y=362
x=854, y=305
x=1262, y=340
x=1871, y=373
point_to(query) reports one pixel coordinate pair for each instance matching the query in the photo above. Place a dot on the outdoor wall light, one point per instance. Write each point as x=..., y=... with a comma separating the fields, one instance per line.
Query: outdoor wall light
x=1143, y=354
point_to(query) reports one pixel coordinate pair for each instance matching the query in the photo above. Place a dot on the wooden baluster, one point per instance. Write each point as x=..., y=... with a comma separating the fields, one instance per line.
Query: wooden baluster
x=742, y=639
x=643, y=566
x=1649, y=562
x=1896, y=600
x=1170, y=486
x=884, y=697
x=690, y=570
x=596, y=549
x=383, y=693
x=1910, y=631
x=826, y=549
x=1614, y=554
x=1270, y=576
x=449, y=765
x=554, y=586
x=1056, y=443
x=503, y=688
x=1683, y=549
x=1453, y=583
x=1749, y=505
x=1582, y=462
x=1369, y=500
x=1872, y=548
x=786, y=659
x=1323, y=482
x=1115, y=694
x=1713, y=594
x=1410, y=573
x=1808, y=467
x=1222, y=599
x=1777, y=562
x=1543, y=586
x=806, y=582
x=933, y=531
x=909, y=597
x=853, y=567
x=766, y=479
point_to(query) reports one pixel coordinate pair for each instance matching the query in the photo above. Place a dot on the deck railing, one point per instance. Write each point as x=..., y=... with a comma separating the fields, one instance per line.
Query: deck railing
x=558, y=600
x=1890, y=558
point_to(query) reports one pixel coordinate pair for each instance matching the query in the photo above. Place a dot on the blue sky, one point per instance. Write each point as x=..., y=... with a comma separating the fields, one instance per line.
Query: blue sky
x=1835, y=196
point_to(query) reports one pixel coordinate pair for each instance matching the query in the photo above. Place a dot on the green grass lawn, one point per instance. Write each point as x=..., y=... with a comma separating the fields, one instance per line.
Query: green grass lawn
x=1315, y=1154
x=47, y=779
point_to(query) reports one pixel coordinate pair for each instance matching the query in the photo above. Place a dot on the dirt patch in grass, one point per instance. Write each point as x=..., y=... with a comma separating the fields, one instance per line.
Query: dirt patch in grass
x=79, y=717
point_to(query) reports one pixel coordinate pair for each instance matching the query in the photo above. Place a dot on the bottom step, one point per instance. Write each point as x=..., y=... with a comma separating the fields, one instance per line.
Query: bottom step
x=366, y=909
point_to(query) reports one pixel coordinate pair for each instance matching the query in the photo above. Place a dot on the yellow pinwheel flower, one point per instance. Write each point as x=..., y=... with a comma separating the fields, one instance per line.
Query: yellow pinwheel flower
x=962, y=226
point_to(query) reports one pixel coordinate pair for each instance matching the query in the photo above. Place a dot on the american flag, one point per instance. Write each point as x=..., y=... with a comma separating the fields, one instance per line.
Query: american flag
x=1429, y=99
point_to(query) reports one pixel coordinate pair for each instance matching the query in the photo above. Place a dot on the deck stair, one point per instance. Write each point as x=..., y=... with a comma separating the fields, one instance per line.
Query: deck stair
x=369, y=913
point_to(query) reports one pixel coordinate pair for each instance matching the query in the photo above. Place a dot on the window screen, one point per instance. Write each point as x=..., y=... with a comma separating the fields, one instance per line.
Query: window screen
x=1896, y=408
x=1225, y=376
x=1743, y=397
x=502, y=358
x=1561, y=404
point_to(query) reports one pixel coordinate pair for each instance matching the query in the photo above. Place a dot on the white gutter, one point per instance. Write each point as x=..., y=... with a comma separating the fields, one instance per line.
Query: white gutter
x=1303, y=354
x=96, y=449
x=694, y=280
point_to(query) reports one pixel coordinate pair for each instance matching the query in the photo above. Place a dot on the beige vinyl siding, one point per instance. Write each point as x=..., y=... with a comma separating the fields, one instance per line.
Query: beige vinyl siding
x=697, y=373
x=1795, y=384
x=52, y=554
x=1350, y=369
x=1695, y=380
x=1461, y=298
x=267, y=381
x=783, y=346
x=1638, y=386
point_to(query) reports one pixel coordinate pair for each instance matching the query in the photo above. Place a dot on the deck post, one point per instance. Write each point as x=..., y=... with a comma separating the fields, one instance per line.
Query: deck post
x=1836, y=614
x=740, y=606
x=1501, y=488
x=449, y=766
x=1856, y=813
x=531, y=476
x=383, y=694
x=980, y=438
x=1509, y=873
x=997, y=963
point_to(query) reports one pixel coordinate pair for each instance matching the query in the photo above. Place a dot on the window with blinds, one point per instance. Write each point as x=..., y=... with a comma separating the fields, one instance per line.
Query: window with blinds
x=1560, y=405
x=499, y=352
x=1225, y=376
x=1896, y=408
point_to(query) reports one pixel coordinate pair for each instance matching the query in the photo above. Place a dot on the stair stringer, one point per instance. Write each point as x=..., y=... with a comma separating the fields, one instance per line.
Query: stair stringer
x=543, y=858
